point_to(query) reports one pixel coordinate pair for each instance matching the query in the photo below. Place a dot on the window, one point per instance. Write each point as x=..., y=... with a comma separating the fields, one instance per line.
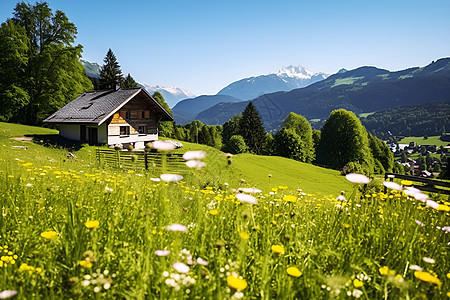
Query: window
x=142, y=114
x=146, y=114
x=142, y=129
x=124, y=130
x=124, y=114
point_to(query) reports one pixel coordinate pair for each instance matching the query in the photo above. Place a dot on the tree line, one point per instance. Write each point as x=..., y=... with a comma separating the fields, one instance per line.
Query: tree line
x=343, y=143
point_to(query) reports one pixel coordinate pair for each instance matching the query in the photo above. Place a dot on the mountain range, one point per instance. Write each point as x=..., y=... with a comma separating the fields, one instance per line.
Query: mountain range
x=365, y=89
x=172, y=94
x=288, y=78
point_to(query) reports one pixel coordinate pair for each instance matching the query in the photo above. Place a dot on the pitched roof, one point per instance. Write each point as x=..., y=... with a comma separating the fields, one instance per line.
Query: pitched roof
x=97, y=106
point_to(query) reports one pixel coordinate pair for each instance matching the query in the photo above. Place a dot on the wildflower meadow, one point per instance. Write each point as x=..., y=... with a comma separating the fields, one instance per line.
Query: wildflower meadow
x=70, y=228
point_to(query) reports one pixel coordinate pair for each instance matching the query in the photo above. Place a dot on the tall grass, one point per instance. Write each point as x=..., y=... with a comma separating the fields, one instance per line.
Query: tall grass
x=362, y=248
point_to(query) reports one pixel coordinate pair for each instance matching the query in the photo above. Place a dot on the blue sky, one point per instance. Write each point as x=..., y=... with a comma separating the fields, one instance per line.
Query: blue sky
x=203, y=46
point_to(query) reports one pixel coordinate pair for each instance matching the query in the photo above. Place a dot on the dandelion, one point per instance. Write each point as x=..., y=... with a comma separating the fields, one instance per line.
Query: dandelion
x=429, y=260
x=419, y=223
x=357, y=283
x=290, y=198
x=392, y=185
x=294, y=271
x=86, y=264
x=384, y=270
x=155, y=179
x=180, y=267
x=195, y=164
x=92, y=224
x=341, y=198
x=214, y=212
x=162, y=252
x=278, y=249
x=244, y=236
x=50, y=235
x=177, y=227
x=406, y=182
x=427, y=277
x=244, y=198
x=443, y=208
x=357, y=178
x=162, y=145
x=194, y=155
x=171, y=177
x=236, y=283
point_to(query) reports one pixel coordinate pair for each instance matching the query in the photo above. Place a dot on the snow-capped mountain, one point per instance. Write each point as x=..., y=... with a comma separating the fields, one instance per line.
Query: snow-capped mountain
x=172, y=94
x=286, y=79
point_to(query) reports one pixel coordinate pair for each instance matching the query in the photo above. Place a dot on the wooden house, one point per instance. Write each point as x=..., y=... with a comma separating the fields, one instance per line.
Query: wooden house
x=114, y=117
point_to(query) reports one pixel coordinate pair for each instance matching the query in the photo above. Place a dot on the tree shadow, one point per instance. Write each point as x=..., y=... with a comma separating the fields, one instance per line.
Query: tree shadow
x=55, y=141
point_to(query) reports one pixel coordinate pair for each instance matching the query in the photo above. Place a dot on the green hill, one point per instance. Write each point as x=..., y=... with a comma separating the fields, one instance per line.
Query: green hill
x=254, y=169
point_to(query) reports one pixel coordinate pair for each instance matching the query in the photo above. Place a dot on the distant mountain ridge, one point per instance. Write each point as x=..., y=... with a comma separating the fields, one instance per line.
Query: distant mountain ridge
x=365, y=89
x=286, y=79
x=172, y=94
x=186, y=110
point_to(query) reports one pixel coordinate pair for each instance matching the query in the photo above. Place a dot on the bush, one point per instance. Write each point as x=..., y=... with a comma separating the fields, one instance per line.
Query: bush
x=237, y=145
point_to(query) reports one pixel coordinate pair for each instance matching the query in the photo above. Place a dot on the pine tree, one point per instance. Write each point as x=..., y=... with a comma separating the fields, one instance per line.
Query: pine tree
x=110, y=72
x=128, y=82
x=252, y=130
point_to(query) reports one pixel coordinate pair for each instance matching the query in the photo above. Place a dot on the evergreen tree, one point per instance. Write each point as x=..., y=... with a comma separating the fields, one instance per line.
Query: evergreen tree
x=110, y=72
x=128, y=82
x=40, y=69
x=344, y=140
x=316, y=140
x=251, y=129
x=382, y=154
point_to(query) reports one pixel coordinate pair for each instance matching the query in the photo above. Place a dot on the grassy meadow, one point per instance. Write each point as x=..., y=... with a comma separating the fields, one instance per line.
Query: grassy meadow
x=69, y=229
x=431, y=140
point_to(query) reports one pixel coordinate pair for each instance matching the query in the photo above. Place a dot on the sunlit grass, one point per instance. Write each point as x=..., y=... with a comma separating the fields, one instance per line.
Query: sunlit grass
x=71, y=230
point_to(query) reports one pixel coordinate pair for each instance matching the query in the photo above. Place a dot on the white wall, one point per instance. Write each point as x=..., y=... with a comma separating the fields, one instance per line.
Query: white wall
x=71, y=132
x=102, y=134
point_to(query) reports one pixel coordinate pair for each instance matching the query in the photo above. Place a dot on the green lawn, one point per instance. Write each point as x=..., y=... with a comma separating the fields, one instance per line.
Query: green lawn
x=432, y=140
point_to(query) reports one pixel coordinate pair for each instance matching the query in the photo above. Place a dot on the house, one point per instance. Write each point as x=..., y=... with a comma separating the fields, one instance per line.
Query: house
x=112, y=117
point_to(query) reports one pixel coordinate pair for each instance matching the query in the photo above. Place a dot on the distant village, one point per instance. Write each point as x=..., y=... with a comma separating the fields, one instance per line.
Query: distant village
x=421, y=160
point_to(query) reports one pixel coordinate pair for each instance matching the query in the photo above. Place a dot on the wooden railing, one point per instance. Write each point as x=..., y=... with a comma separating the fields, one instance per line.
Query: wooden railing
x=429, y=185
x=133, y=160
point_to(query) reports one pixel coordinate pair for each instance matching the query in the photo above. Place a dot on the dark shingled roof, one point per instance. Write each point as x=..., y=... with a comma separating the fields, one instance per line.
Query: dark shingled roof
x=97, y=106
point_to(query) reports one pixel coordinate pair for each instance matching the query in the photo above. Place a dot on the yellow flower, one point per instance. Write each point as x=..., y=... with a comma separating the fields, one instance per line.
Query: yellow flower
x=290, y=198
x=278, y=249
x=51, y=235
x=406, y=182
x=346, y=225
x=443, y=207
x=384, y=270
x=236, y=283
x=427, y=277
x=86, y=263
x=357, y=283
x=244, y=235
x=293, y=271
x=92, y=224
x=214, y=212
x=275, y=189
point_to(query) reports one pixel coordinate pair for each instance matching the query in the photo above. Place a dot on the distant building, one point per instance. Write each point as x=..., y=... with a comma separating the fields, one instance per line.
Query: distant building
x=114, y=117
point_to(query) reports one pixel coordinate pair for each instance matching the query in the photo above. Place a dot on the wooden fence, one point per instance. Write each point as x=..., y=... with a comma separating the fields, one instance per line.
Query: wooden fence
x=139, y=160
x=428, y=185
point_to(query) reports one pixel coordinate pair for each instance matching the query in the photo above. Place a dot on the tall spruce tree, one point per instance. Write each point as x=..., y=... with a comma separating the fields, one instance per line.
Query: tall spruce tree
x=129, y=82
x=344, y=140
x=110, y=72
x=252, y=130
x=40, y=69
